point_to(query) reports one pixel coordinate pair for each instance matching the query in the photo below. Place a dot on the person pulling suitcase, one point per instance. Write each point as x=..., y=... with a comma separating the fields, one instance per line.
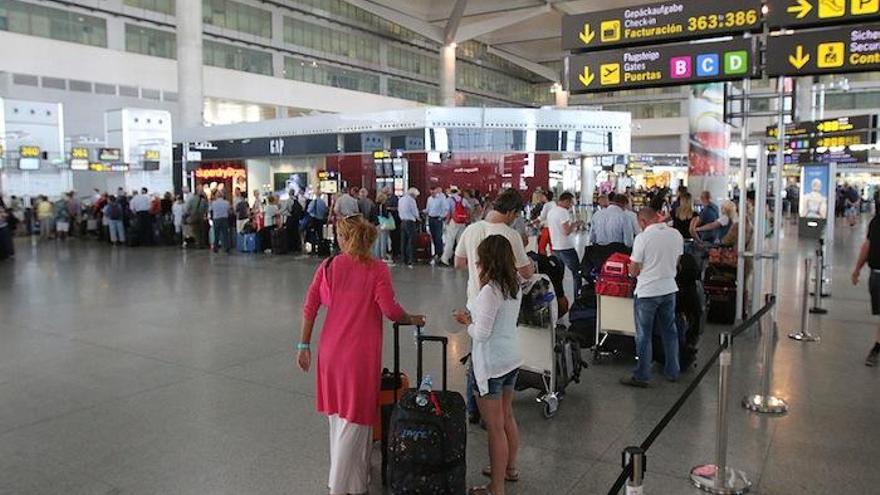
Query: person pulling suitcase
x=357, y=291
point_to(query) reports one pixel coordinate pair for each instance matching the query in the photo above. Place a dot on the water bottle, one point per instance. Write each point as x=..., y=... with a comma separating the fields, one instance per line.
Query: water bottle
x=424, y=391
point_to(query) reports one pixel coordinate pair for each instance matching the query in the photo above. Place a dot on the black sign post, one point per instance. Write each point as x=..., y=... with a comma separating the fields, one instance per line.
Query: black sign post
x=683, y=63
x=826, y=51
x=804, y=13
x=659, y=22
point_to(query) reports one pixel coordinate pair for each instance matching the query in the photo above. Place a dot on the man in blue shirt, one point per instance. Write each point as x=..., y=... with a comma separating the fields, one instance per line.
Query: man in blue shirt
x=438, y=208
x=708, y=214
x=318, y=211
x=220, y=215
x=409, y=217
x=612, y=225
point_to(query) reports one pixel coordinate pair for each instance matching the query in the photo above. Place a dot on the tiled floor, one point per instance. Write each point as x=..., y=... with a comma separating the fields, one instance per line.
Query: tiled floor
x=160, y=371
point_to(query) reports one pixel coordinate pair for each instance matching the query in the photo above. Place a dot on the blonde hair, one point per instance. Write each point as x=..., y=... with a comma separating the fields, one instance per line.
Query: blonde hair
x=381, y=198
x=356, y=237
x=728, y=207
x=685, y=208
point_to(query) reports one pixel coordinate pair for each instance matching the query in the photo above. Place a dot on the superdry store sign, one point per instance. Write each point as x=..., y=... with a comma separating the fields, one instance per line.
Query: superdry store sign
x=663, y=65
x=659, y=22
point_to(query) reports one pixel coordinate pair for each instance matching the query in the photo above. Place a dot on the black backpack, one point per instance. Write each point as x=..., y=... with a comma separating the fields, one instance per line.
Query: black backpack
x=115, y=212
x=241, y=210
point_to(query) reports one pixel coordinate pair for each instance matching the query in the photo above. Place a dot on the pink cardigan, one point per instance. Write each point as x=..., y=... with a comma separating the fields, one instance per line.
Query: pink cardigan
x=350, y=348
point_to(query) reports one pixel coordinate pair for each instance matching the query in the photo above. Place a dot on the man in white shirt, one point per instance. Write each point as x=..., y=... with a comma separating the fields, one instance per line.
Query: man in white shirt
x=346, y=204
x=655, y=262
x=437, y=210
x=561, y=227
x=458, y=216
x=140, y=206
x=506, y=208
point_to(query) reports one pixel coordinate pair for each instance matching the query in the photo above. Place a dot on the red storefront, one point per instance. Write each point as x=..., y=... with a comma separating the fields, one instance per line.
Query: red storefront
x=487, y=173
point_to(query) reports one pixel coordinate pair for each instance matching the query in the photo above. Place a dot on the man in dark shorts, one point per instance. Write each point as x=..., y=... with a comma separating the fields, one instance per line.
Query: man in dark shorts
x=870, y=254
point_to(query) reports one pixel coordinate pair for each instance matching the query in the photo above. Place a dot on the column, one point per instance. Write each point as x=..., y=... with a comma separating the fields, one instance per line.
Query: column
x=708, y=157
x=190, y=91
x=561, y=96
x=804, y=110
x=447, y=75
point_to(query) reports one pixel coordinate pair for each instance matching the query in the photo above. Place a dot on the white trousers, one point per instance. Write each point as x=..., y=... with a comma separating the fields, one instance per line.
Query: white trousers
x=350, y=446
x=453, y=234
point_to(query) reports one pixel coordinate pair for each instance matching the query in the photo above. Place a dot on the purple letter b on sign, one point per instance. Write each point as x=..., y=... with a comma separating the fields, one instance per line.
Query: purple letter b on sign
x=680, y=67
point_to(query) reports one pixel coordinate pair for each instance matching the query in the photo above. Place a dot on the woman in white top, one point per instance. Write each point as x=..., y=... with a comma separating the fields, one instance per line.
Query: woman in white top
x=491, y=322
x=177, y=212
x=271, y=219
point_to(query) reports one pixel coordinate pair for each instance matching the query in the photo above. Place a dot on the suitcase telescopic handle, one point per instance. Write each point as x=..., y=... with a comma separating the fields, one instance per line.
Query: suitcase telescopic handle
x=397, y=356
x=421, y=339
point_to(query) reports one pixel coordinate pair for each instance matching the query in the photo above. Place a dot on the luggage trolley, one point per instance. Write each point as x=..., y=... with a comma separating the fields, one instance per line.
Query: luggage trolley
x=545, y=358
x=613, y=315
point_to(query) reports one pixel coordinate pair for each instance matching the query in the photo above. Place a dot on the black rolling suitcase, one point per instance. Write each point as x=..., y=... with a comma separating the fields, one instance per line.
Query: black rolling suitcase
x=425, y=445
x=720, y=288
x=280, y=241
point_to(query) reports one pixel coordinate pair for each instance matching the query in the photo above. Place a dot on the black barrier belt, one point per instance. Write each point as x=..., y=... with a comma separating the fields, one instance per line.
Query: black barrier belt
x=664, y=422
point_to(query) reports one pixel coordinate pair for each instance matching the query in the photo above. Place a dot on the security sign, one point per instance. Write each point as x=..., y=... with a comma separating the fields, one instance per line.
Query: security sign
x=800, y=13
x=666, y=21
x=851, y=49
x=681, y=63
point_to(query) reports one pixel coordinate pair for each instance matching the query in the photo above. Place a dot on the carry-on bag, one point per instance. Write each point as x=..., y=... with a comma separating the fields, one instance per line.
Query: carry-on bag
x=614, y=279
x=280, y=243
x=391, y=389
x=248, y=243
x=427, y=435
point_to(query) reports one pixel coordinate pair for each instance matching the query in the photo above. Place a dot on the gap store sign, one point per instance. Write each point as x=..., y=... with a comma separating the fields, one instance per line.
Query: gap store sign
x=683, y=63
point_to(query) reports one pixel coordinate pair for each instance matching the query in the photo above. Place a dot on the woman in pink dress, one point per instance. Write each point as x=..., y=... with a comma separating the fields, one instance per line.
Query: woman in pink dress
x=357, y=292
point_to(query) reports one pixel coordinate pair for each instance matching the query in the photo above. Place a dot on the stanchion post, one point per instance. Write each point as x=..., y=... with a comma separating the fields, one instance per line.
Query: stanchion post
x=803, y=335
x=719, y=478
x=817, y=291
x=635, y=456
x=764, y=402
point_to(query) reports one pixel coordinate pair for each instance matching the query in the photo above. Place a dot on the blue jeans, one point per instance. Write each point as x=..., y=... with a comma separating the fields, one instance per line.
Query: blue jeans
x=435, y=225
x=655, y=314
x=380, y=247
x=569, y=258
x=221, y=234
x=409, y=231
x=117, y=230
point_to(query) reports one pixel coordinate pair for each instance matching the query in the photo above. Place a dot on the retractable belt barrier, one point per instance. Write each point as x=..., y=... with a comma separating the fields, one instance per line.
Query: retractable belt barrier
x=715, y=478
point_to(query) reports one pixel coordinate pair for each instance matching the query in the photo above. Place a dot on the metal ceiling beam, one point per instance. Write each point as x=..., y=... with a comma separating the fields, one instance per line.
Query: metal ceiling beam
x=425, y=29
x=492, y=24
x=454, y=21
x=541, y=70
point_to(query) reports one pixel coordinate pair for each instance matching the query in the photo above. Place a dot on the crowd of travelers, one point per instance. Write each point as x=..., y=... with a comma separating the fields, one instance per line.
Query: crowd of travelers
x=488, y=239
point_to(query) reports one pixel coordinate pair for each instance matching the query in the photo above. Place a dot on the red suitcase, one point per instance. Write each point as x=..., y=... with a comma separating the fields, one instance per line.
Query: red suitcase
x=423, y=247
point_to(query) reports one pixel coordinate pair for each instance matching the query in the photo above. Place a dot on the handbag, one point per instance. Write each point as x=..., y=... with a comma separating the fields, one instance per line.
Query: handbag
x=324, y=289
x=386, y=223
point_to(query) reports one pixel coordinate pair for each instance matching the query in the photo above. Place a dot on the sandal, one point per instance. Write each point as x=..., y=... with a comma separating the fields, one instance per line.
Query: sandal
x=512, y=475
x=479, y=490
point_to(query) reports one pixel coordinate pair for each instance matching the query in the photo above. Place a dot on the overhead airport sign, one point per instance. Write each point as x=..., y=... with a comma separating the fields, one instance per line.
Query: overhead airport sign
x=79, y=158
x=659, y=22
x=826, y=126
x=801, y=13
x=828, y=51
x=683, y=63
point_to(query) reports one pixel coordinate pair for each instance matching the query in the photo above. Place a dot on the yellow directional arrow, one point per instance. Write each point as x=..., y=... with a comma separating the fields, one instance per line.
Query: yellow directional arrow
x=587, y=35
x=586, y=78
x=802, y=8
x=799, y=59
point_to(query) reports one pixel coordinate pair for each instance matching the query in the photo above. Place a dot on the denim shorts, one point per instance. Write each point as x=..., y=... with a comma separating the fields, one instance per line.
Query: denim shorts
x=496, y=385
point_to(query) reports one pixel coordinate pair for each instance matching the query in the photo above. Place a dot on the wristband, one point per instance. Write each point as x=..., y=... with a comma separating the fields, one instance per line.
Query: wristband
x=303, y=347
